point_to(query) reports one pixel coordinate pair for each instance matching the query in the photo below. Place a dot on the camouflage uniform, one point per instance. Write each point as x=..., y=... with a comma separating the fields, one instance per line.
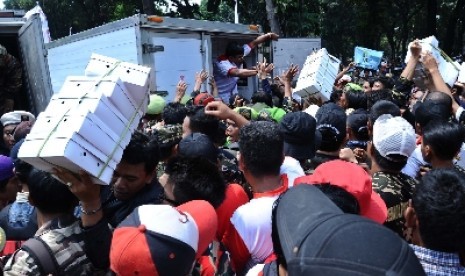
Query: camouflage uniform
x=396, y=190
x=10, y=80
x=64, y=238
x=166, y=134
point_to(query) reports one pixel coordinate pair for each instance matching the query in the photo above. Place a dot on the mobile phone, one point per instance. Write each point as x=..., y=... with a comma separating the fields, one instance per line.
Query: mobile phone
x=24, y=118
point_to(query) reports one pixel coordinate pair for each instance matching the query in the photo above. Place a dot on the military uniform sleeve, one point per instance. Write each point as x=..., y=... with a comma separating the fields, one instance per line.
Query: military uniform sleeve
x=21, y=263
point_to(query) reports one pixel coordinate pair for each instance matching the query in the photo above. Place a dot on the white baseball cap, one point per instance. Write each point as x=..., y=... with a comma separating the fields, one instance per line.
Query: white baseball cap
x=393, y=135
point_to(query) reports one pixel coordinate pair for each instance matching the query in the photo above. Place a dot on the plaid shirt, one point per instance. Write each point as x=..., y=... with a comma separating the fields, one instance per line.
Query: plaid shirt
x=439, y=263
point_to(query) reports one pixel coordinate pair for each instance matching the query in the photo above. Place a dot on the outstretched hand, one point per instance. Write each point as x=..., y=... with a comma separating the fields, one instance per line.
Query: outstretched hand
x=289, y=74
x=81, y=185
x=218, y=109
x=429, y=62
x=273, y=36
x=415, y=48
x=201, y=76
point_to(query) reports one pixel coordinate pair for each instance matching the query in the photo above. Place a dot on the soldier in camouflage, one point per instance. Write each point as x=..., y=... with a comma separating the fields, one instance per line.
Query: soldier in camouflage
x=61, y=234
x=168, y=136
x=10, y=80
x=393, y=142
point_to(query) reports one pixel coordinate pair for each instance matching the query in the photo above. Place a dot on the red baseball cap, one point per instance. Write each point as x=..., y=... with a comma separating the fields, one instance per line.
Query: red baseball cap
x=203, y=99
x=355, y=180
x=162, y=240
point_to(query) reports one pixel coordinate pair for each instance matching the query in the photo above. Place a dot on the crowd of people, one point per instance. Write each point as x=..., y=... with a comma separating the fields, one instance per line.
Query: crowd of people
x=370, y=182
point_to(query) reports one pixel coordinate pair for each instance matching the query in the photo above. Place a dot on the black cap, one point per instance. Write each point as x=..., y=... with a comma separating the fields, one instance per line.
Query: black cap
x=198, y=145
x=300, y=136
x=317, y=238
x=332, y=117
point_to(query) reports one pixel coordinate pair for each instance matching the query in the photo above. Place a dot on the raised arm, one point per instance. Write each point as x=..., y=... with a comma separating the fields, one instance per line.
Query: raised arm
x=97, y=235
x=430, y=64
x=287, y=77
x=223, y=112
x=200, y=77
x=263, y=38
x=243, y=73
x=409, y=70
x=181, y=88
x=344, y=71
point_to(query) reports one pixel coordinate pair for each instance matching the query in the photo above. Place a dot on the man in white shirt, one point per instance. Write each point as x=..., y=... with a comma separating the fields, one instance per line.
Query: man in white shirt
x=227, y=69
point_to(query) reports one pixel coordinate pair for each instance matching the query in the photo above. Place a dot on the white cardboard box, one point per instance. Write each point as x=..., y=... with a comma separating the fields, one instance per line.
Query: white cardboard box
x=449, y=71
x=84, y=123
x=135, y=77
x=317, y=75
x=73, y=155
x=102, y=108
x=89, y=127
x=112, y=88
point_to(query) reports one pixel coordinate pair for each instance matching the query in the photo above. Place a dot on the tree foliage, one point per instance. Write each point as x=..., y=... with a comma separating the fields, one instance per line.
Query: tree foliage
x=342, y=24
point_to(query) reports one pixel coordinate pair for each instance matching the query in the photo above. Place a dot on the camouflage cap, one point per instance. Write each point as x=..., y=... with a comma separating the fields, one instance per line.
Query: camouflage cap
x=247, y=112
x=273, y=114
x=169, y=133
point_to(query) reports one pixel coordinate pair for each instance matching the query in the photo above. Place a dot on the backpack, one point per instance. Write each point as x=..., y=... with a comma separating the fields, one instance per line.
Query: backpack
x=42, y=255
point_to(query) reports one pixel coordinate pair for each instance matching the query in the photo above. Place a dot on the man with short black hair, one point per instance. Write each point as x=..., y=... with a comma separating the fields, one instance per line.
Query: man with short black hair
x=436, y=214
x=174, y=114
x=197, y=120
x=190, y=178
x=228, y=68
x=134, y=182
x=441, y=142
x=393, y=142
x=260, y=158
x=436, y=106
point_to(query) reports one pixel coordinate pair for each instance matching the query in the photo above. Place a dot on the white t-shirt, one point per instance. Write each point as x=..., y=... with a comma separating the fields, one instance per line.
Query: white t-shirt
x=291, y=167
x=227, y=85
x=414, y=162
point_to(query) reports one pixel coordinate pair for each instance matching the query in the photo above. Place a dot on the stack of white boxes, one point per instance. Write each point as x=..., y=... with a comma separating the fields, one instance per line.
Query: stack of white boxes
x=317, y=75
x=89, y=123
x=449, y=71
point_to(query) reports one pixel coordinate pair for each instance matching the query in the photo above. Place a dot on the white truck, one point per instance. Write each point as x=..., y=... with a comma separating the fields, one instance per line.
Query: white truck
x=174, y=48
x=23, y=39
x=287, y=51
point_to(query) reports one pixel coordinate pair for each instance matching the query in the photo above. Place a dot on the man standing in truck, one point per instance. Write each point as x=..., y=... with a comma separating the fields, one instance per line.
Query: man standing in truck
x=227, y=69
x=10, y=80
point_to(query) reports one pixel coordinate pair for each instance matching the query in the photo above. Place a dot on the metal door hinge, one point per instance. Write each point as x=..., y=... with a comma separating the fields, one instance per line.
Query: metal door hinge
x=150, y=48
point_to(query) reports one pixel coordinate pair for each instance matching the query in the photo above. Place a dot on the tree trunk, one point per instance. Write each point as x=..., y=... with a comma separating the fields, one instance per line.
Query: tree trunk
x=272, y=17
x=148, y=7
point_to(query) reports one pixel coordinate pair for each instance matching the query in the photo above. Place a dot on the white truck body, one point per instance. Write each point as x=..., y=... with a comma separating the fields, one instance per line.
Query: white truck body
x=174, y=48
x=287, y=51
x=23, y=39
